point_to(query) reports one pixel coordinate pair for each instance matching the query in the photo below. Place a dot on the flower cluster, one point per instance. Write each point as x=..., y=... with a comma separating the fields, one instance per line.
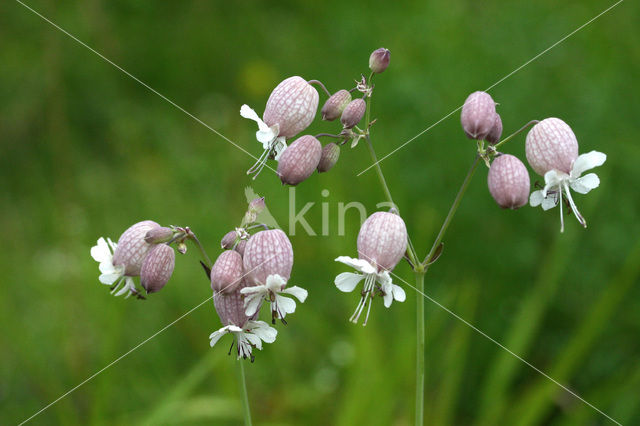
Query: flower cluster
x=292, y=107
x=382, y=242
x=551, y=150
x=253, y=269
x=142, y=251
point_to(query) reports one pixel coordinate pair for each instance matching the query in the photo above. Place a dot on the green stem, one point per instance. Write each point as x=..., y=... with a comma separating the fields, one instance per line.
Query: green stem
x=243, y=390
x=203, y=252
x=515, y=133
x=420, y=337
x=453, y=209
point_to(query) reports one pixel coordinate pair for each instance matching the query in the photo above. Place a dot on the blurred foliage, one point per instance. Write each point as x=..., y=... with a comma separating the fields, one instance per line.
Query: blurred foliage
x=86, y=151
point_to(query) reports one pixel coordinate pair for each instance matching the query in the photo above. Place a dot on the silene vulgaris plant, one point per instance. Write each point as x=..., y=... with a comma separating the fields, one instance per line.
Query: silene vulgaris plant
x=255, y=266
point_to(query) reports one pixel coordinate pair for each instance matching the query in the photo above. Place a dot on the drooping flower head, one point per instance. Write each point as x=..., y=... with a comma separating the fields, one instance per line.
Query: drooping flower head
x=299, y=160
x=157, y=267
x=227, y=279
x=290, y=109
x=268, y=260
x=382, y=242
x=120, y=262
x=334, y=106
x=508, y=182
x=552, y=151
x=478, y=115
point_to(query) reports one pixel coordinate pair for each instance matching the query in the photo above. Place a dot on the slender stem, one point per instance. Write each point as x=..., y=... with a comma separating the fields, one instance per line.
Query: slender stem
x=243, y=390
x=203, y=252
x=453, y=209
x=420, y=349
x=319, y=83
x=517, y=132
x=328, y=135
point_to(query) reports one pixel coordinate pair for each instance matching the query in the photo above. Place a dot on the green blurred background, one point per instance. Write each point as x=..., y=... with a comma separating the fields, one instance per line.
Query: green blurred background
x=86, y=151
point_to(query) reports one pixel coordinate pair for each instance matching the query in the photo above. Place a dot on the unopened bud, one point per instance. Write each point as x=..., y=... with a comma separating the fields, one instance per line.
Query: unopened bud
x=328, y=157
x=132, y=247
x=292, y=106
x=257, y=205
x=478, y=115
x=508, y=182
x=299, y=160
x=268, y=253
x=353, y=113
x=241, y=246
x=551, y=145
x=379, y=60
x=181, y=247
x=495, y=133
x=229, y=240
x=159, y=235
x=157, y=268
x=226, y=273
x=382, y=240
x=334, y=106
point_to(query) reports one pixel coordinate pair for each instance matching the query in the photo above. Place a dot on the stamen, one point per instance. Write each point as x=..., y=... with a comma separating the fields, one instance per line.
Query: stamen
x=259, y=165
x=561, y=216
x=574, y=208
x=368, y=311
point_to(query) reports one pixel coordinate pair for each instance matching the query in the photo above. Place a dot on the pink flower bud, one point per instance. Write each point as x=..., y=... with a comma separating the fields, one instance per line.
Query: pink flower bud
x=158, y=235
x=292, y=105
x=157, y=267
x=257, y=205
x=353, y=113
x=228, y=240
x=267, y=253
x=299, y=160
x=329, y=157
x=382, y=240
x=334, y=106
x=379, y=60
x=227, y=273
x=478, y=115
x=551, y=145
x=508, y=182
x=132, y=248
x=496, y=131
x=230, y=308
x=241, y=246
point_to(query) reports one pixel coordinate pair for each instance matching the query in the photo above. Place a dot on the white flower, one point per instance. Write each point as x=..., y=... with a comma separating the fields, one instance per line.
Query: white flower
x=373, y=280
x=558, y=183
x=272, y=290
x=111, y=274
x=273, y=144
x=248, y=337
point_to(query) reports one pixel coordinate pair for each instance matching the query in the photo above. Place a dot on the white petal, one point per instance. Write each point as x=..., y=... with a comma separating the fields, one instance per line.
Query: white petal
x=587, y=161
x=347, y=281
x=536, y=198
x=286, y=305
x=109, y=278
x=384, y=278
x=100, y=252
x=263, y=331
x=247, y=112
x=398, y=293
x=388, y=295
x=298, y=292
x=252, y=304
x=109, y=268
x=586, y=183
x=254, y=289
x=549, y=202
x=215, y=336
x=275, y=282
x=358, y=264
x=128, y=287
x=253, y=339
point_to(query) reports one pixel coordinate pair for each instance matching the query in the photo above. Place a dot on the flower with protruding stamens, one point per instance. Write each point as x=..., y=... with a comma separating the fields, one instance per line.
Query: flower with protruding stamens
x=290, y=109
x=552, y=151
x=268, y=259
x=122, y=261
x=382, y=241
x=250, y=336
